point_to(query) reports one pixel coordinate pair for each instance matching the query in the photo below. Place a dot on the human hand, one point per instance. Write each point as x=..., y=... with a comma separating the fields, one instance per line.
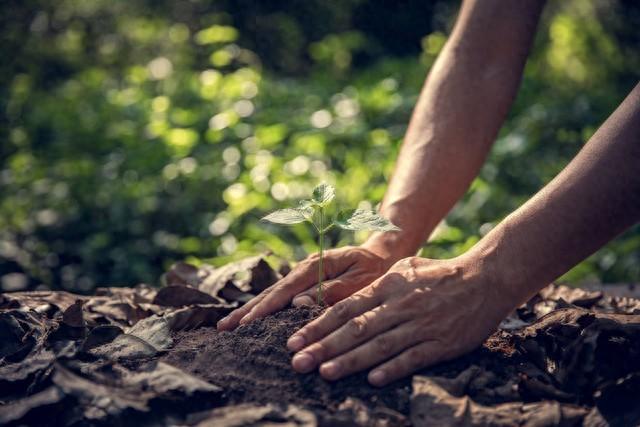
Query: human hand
x=347, y=270
x=419, y=313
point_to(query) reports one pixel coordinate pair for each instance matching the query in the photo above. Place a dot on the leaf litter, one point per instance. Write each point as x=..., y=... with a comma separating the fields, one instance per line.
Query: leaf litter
x=148, y=356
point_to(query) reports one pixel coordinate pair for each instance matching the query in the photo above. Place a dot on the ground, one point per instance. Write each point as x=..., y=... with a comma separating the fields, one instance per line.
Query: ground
x=147, y=356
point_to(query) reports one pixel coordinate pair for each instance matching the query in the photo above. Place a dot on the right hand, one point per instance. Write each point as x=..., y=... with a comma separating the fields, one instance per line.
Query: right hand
x=346, y=270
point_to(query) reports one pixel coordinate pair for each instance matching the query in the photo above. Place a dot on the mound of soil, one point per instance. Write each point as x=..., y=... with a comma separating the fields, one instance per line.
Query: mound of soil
x=579, y=367
x=255, y=366
x=146, y=356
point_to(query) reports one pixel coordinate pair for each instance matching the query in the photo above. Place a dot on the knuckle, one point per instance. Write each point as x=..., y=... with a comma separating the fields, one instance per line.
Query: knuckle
x=337, y=252
x=414, y=261
x=320, y=351
x=233, y=316
x=402, y=264
x=414, y=300
x=277, y=294
x=309, y=332
x=331, y=294
x=352, y=362
x=239, y=312
x=357, y=327
x=384, y=344
x=260, y=295
x=311, y=293
x=416, y=358
x=388, y=280
x=341, y=311
x=410, y=275
x=312, y=258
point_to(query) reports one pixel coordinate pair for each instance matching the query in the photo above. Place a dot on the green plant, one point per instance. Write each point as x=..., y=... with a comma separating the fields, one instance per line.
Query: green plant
x=314, y=211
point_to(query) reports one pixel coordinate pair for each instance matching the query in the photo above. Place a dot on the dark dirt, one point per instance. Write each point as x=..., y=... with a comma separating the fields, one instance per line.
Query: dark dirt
x=572, y=356
x=255, y=366
x=142, y=356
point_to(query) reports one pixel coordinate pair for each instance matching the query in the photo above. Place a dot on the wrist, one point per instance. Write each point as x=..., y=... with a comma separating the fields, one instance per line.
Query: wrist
x=390, y=246
x=485, y=265
x=510, y=281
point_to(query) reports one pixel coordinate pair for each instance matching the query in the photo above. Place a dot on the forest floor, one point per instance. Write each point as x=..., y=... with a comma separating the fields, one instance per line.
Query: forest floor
x=146, y=356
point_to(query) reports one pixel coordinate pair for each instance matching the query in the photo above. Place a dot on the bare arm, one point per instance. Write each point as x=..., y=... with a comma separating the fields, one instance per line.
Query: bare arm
x=462, y=106
x=596, y=197
x=425, y=311
x=460, y=110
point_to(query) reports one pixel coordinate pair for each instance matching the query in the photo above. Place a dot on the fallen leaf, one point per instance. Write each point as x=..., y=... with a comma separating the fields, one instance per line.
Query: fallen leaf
x=179, y=296
x=141, y=293
x=100, y=335
x=618, y=401
x=254, y=415
x=197, y=316
x=109, y=398
x=153, y=330
x=120, y=311
x=163, y=378
x=36, y=361
x=182, y=274
x=576, y=296
x=124, y=346
x=581, y=349
x=432, y=405
x=354, y=412
x=250, y=275
x=38, y=300
x=72, y=316
x=22, y=411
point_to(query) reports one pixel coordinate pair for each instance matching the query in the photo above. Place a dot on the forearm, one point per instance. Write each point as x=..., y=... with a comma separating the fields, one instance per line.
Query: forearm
x=596, y=197
x=461, y=108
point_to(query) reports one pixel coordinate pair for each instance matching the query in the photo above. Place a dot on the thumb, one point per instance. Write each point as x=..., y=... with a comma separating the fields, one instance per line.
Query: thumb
x=333, y=290
x=310, y=296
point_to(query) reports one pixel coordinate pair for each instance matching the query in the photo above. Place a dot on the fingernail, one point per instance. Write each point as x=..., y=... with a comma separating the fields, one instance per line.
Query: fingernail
x=303, y=362
x=330, y=370
x=302, y=301
x=295, y=343
x=245, y=319
x=377, y=377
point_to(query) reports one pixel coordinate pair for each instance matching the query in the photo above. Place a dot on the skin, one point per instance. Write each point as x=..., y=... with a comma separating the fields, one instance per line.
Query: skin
x=423, y=311
x=448, y=138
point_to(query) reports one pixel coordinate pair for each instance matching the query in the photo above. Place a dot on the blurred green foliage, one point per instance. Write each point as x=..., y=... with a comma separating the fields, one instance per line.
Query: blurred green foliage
x=138, y=133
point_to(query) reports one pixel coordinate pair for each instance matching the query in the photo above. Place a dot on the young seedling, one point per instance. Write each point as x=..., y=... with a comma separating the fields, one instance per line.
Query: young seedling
x=314, y=211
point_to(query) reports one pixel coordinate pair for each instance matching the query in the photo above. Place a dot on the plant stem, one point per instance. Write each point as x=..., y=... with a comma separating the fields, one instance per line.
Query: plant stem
x=321, y=231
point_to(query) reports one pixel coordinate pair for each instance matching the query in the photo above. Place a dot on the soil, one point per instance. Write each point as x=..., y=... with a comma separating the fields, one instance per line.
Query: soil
x=571, y=355
x=142, y=356
x=254, y=365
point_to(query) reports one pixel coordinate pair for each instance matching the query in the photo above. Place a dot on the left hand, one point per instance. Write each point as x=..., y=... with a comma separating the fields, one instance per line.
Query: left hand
x=419, y=313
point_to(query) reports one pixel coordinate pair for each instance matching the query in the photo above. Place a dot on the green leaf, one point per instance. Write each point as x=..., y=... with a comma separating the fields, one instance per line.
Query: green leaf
x=323, y=194
x=307, y=208
x=358, y=219
x=286, y=216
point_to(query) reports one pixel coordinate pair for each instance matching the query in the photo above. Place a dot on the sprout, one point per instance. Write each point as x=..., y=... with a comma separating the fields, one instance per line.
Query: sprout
x=314, y=212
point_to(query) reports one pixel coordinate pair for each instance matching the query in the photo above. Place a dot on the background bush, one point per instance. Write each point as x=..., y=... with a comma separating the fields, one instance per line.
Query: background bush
x=134, y=134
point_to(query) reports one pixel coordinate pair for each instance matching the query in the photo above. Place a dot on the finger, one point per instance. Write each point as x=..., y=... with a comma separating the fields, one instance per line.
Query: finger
x=380, y=348
x=341, y=312
x=301, y=278
x=354, y=332
x=331, y=290
x=232, y=319
x=337, y=289
x=303, y=300
x=332, y=319
x=409, y=361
